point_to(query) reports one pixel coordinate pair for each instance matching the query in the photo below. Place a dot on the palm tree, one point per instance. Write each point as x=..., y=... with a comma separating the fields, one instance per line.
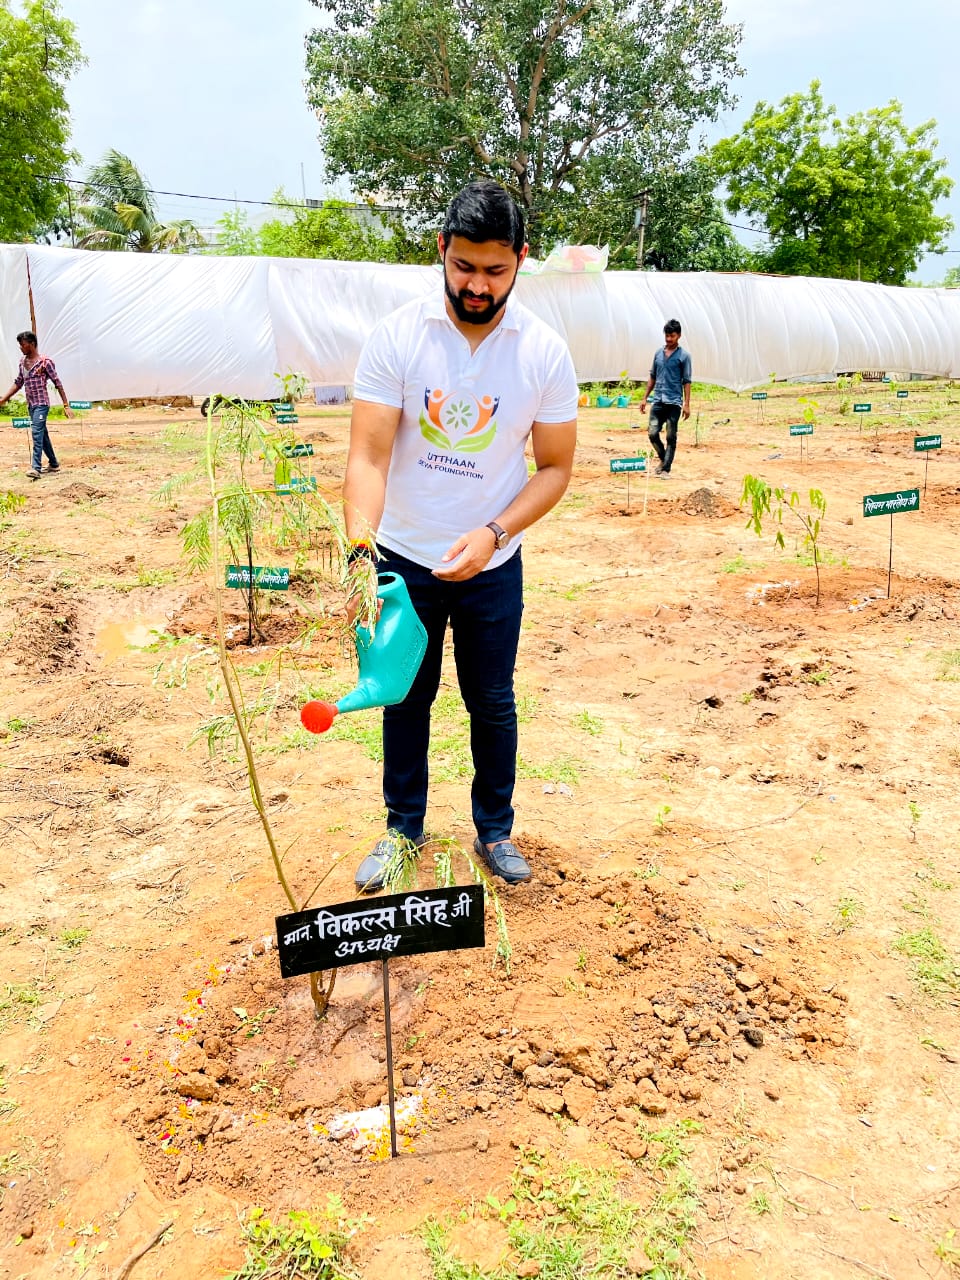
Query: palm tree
x=119, y=212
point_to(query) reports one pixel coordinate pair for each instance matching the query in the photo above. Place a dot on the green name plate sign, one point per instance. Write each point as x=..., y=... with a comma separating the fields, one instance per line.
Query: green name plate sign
x=297, y=450
x=862, y=408
x=287, y=417
x=20, y=422
x=902, y=395
x=628, y=464
x=888, y=504
x=81, y=404
x=759, y=395
x=238, y=575
x=283, y=408
x=297, y=484
x=922, y=443
x=802, y=429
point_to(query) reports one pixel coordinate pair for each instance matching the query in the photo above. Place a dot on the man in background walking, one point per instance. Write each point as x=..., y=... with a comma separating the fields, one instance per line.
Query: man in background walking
x=34, y=373
x=670, y=379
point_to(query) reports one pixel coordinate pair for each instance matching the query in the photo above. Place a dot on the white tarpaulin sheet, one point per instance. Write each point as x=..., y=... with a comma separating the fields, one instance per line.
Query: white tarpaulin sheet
x=127, y=324
x=14, y=308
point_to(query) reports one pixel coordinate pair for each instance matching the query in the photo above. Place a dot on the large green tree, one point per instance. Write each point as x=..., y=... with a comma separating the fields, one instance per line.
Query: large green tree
x=556, y=99
x=118, y=212
x=852, y=198
x=38, y=54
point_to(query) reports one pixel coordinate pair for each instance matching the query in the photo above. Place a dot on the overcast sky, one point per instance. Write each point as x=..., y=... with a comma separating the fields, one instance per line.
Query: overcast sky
x=207, y=98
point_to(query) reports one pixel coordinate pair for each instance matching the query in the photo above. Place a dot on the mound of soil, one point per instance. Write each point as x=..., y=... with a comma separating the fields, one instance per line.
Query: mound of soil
x=616, y=1000
x=708, y=503
x=45, y=640
x=81, y=492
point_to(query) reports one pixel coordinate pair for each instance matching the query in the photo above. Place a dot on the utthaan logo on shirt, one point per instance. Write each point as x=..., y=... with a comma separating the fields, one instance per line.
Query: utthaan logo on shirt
x=457, y=421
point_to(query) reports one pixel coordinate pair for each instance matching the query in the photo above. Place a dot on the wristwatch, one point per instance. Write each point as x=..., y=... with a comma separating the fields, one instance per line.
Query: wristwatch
x=500, y=535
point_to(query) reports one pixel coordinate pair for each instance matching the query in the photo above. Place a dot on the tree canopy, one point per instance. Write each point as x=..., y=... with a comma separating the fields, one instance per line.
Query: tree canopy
x=334, y=229
x=560, y=100
x=118, y=212
x=850, y=198
x=38, y=54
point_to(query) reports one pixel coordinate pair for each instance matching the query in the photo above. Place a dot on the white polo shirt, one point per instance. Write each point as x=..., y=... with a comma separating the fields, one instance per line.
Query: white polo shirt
x=458, y=457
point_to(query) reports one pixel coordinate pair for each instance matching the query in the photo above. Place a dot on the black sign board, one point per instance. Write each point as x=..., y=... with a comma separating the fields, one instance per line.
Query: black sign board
x=398, y=924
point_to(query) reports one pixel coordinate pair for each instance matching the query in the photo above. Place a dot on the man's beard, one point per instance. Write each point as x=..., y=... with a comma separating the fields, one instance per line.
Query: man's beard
x=489, y=312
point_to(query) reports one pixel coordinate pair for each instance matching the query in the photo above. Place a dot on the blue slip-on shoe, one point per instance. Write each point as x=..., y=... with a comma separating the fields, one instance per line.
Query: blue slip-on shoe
x=504, y=860
x=371, y=871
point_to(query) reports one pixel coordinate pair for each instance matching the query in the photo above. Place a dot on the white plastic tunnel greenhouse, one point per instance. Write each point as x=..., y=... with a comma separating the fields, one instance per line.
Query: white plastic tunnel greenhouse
x=139, y=325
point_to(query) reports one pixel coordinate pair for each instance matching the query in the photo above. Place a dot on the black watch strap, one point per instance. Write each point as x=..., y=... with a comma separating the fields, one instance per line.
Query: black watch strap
x=500, y=534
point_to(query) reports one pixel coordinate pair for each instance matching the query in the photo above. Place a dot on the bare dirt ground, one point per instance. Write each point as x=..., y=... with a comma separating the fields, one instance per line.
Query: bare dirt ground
x=742, y=812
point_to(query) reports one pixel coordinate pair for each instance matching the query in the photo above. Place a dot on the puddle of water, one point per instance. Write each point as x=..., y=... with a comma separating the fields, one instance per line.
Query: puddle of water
x=116, y=639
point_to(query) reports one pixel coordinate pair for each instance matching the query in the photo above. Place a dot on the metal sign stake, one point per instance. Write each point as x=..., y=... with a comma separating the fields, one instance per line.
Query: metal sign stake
x=391, y=1099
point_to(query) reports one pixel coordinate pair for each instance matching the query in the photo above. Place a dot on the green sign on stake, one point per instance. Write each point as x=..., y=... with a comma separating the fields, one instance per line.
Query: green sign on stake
x=297, y=484
x=20, y=422
x=922, y=443
x=297, y=450
x=902, y=395
x=881, y=504
x=287, y=417
x=758, y=395
x=81, y=404
x=802, y=429
x=283, y=408
x=862, y=408
x=628, y=464
x=238, y=575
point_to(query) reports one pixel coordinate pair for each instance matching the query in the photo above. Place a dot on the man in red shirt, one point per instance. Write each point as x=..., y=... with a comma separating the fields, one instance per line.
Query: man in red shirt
x=34, y=373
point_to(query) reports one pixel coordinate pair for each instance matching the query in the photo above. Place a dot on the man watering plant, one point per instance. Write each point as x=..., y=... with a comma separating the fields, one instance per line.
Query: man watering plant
x=670, y=377
x=33, y=374
x=447, y=392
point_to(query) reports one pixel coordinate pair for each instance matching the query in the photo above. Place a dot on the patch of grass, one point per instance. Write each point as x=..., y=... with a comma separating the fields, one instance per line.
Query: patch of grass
x=16, y=1002
x=824, y=555
x=589, y=723
x=738, y=564
x=16, y=725
x=297, y=1246
x=649, y=872
x=363, y=729
x=948, y=661
x=560, y=769
x=934, y=969
x=527, y=708
x=70, y=939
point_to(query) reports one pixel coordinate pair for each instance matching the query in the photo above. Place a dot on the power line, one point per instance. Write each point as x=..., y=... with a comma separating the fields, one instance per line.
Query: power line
x=296, y=204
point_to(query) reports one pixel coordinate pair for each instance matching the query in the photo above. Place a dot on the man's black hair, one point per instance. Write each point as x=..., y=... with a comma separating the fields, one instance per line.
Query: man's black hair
x=27, y=336
x=672, y=326
x=484, y=211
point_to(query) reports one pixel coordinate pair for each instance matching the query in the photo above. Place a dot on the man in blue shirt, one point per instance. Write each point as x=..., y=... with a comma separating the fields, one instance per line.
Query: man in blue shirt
x=670, y=378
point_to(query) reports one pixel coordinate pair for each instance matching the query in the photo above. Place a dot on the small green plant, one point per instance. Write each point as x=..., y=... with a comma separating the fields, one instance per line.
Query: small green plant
x=949, y=662
x=660, y=817
x=765, y=500
x=934, y=969
x=946, y=1251
x=809, y=409
x=817, y=677
x=648, y=872
x=849, y=911
x=914, y=818
x=759, y=1203
x=252, y=1024
x=298, y=1246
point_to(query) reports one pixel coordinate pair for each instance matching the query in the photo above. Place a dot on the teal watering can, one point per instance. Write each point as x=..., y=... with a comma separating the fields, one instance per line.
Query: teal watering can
x=388, y=660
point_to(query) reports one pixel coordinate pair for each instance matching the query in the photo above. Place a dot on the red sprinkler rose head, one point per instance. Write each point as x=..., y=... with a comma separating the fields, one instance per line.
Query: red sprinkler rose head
x=317, y=717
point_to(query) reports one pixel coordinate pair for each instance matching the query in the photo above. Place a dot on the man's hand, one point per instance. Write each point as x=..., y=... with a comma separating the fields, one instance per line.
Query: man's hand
x=68, y=411
x=686, y=412
x=468, y=556
x=643, y=405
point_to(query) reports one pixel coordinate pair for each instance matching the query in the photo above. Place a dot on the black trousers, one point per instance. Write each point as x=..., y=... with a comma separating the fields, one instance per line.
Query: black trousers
x=664, y=415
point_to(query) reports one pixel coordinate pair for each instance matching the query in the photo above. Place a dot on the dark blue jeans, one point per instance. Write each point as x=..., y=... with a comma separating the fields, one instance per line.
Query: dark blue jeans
x=41, y=437
x=664, y=415
x=484, y=615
